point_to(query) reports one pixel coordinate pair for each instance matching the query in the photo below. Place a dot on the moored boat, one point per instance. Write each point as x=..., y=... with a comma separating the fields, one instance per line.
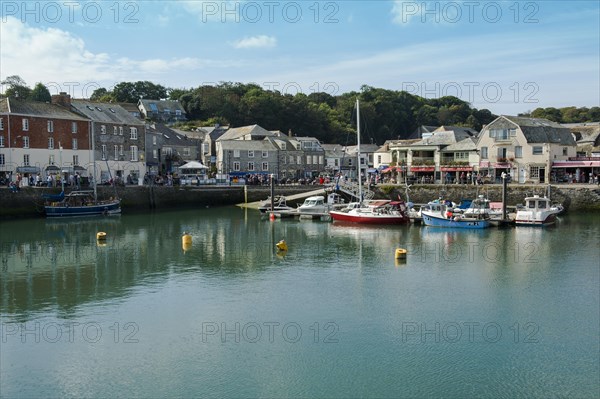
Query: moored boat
x=80, y=203
x=437, y=214
x=279, y=205
x=538, y=211
x=373, y=212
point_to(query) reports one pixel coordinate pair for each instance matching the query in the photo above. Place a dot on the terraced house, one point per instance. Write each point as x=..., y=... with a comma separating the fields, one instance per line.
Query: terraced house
x=42, y=139
x=119, y=139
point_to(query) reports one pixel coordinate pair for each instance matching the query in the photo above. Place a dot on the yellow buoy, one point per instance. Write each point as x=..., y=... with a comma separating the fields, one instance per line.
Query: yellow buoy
x=186, y=241
x=101, y=236
x=400, y=253
x=282, y=245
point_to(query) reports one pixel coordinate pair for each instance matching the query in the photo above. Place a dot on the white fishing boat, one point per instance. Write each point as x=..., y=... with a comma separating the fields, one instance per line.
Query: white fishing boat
x=538, y=211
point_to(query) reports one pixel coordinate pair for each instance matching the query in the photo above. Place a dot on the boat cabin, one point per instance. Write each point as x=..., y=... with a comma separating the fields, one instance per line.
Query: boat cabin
x=537, y=203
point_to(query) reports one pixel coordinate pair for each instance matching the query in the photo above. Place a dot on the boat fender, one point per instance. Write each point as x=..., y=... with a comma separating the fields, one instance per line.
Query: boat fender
x=101, y=236
x=400, y=253
x=282, y=245
x=456, y=218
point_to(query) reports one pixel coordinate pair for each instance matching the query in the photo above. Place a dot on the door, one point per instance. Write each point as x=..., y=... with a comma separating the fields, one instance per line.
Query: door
x=542, y=175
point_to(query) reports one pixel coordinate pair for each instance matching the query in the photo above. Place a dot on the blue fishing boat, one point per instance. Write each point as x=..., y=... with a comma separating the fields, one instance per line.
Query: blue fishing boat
x=80, y=203
x=437, y=214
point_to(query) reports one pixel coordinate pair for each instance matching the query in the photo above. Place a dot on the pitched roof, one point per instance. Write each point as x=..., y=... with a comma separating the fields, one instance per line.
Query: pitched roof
x=161, y=105
x=255, y=145
x=170, y=136
x=468, y=144
x=35, y=108
x=254, y=131
x=538, y=130
x=465, y=130
x=105, y=112
x=439, y=138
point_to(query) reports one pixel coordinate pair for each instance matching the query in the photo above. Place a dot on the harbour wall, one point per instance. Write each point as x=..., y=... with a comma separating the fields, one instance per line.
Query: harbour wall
x=27, y=202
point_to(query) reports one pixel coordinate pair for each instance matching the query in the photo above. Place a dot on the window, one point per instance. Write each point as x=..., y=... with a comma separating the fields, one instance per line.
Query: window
x=103, y=152
x=299, y=159
x=26, y=160
x=538, y=150
x=236, y=153
x=379, y=159
x=2, y=160
x=565, y=151
x=74, y=144
x=51, y=160
x=50, y=126
x=121, y=150
x=134, y=152
x=292, y=159
x=168, y=150
x=265, y=154
x=518, y=152
x=25, y=124
x=501, y=154
x=155, y=154
x=75, y=160
x=484, y=153
x=73, y=127
x=205, y=148
x=177, y=112
x=251, y=166
x=461, y=155
x=236, y=166
x=1, y=141
x=265, y=166
x=186, y=151
x=321, y=159
x=120, y=130
x=115, y=131
x=133, y=133
x=50, y=143
x=103, y=129
x=250, y=154
x=534, y=172
x=1, y=123
x=25, y=141
x=153, y=140
x=116, y=147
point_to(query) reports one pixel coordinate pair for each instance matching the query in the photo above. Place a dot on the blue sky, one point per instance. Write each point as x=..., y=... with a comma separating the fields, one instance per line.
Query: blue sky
x=507, y=56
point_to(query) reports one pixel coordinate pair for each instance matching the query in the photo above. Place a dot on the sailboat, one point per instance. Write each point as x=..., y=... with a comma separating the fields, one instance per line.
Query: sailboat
x=370, y=211
x=81, y=202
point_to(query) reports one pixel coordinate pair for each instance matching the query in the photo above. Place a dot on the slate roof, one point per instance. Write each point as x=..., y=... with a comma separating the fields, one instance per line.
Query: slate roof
x=440, y=138
x=364, y=148
x=162, y=105
x=468, y=144
x=170, y=137
x=40, y=109
x=105, y=112
x=538, y=130
x=254, y=131
x=256, y=145
x=464, y=130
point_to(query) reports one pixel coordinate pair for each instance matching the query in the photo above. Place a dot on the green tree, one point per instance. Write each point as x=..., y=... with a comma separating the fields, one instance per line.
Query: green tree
x=16, y=87
x=40, y=93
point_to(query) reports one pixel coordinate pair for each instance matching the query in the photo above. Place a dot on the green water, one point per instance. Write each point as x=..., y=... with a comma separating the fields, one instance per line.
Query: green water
x=491, y=313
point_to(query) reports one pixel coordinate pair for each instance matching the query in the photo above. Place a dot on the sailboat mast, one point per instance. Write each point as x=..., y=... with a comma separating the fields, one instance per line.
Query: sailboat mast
x=360, y=198
x=92, y=128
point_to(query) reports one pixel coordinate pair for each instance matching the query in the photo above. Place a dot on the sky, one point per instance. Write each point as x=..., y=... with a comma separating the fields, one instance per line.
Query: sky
x=506, y=56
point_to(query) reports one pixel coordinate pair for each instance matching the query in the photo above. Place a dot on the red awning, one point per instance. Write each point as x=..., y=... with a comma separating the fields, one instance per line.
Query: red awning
x=422, y=168
x=456, y=168
x=576, y=164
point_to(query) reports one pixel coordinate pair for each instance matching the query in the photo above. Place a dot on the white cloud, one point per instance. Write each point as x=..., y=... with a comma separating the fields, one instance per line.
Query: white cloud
x=58, y=57
x=261, y=41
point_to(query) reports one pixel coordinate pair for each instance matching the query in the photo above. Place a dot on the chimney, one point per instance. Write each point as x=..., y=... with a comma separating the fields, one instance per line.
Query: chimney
x=62, y=98
x=290, y=133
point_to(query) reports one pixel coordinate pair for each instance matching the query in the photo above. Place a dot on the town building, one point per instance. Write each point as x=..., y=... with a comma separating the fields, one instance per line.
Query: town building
x=167, y=111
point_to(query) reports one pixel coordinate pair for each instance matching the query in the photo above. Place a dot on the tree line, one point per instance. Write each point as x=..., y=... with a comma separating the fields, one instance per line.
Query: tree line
x=385, y=114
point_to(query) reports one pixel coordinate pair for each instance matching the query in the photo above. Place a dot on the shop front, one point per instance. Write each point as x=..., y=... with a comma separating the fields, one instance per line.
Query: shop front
x=576, y=170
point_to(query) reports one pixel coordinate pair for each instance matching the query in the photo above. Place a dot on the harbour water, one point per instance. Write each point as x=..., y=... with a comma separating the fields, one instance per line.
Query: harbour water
x=492, y=313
